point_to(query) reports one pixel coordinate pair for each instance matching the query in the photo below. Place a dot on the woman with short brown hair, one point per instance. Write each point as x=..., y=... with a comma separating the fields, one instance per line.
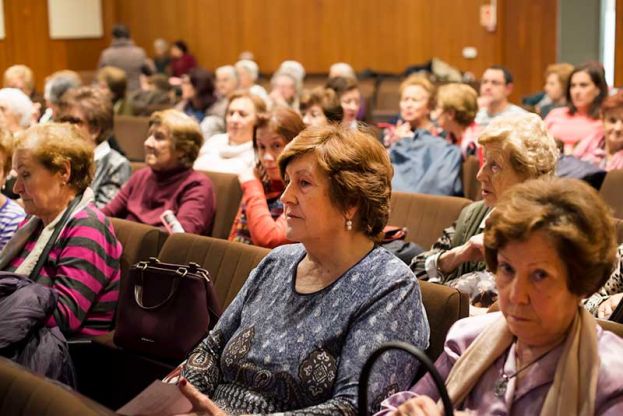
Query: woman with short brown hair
x=168, y=183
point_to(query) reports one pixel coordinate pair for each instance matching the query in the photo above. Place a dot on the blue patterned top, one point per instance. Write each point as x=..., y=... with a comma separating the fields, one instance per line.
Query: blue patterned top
x=276, y=350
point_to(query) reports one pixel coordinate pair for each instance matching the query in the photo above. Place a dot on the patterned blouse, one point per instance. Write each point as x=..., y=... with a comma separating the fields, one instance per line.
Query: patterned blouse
x=277, y=350
x=613, y=286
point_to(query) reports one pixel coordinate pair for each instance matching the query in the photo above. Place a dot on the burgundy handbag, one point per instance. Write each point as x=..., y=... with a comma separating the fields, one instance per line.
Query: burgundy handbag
x=165, y=310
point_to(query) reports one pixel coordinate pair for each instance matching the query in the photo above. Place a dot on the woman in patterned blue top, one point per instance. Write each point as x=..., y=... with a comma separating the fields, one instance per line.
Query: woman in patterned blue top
x=295, y=338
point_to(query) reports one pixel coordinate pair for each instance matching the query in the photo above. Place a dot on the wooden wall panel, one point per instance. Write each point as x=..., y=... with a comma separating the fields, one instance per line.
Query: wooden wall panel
x=386, y=35
x=618, y=53
x=28, y=41
x=529, y=38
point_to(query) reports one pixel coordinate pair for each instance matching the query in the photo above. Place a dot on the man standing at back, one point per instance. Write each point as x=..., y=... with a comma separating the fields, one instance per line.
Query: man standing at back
x=123, y=54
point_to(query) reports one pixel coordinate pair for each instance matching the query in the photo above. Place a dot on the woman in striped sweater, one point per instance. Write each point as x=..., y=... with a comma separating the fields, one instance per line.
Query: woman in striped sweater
x=66, y=243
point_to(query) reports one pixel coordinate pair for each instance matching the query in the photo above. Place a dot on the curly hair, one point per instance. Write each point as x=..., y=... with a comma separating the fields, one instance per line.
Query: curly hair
x=460, y=98
x=574, y=218
x=532, y=149
x=55, y=144
x=358, y=169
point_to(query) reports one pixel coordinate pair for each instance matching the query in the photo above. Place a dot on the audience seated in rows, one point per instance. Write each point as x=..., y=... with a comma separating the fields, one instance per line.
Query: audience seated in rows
x=579, y=119
x=261, y=220
x=56, y=85
x=125, y=55
x=516, y=148
x=11, y=213
x=197, y=94
x=67, y=243
x=457, y=105
x=550, y=243
x=337, y=203
x=232, y=152
x=606, y=151
x=91, y=111
x=168, y=183
x=320, y=106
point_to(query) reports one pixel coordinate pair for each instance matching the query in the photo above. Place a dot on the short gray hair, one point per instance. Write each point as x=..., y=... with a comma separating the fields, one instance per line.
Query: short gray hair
x=249, y=66
x=342, y=69
x=227, y=69
x=18, y=103
x=58, y=83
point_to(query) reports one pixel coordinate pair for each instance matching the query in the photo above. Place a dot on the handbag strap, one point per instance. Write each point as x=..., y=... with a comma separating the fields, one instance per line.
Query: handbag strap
x=181, y=272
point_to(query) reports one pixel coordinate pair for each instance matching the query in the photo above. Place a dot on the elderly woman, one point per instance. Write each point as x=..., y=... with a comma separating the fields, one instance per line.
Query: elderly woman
x=11, y=213
x=417, y=98
x=232, y=152
x=606, y=151
x=248, y=72
x=550, y=243
x=197, y=94
x=168, y=183
x=55, y=86
x=286, y=90
x=67, y=243
x=457, y=105
x=91, y=110
x=16, y=110
x=320, y=106
x=276, y=349
x=516, y=148
x=261, y=220
x=556, y=81
x=580, y=118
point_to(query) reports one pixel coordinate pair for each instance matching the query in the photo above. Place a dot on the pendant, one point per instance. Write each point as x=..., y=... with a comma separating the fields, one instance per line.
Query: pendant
x=500, y=386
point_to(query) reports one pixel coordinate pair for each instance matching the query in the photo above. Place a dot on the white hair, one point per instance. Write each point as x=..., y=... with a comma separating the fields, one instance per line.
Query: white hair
x=342, y=69
x=248, y=66
x=227, y=70
x=294, y=68
x=18, y=103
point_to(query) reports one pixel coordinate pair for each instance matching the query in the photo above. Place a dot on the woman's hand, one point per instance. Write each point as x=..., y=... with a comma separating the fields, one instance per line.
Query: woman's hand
x=608, y=306
x=472, y=250
x=422, y=406
x=402, y=130
x=202, y=405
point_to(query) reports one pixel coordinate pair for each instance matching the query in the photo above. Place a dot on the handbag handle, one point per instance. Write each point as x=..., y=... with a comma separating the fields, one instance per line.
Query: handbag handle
x=181, y=272
x=420, y=355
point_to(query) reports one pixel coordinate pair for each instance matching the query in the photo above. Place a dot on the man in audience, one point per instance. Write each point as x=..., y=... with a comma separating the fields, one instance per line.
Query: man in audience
x=123, y=54
x=495, y=87
x=55, y=86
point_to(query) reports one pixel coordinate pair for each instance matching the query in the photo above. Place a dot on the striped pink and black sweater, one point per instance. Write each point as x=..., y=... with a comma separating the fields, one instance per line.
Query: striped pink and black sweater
x=84, y=269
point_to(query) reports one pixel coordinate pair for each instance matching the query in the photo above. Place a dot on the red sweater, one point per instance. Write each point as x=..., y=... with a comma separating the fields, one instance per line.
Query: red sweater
x=189, y=194
x=265, y=224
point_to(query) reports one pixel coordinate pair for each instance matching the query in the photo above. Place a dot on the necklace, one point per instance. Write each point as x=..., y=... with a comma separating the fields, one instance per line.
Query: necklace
x=501, y=384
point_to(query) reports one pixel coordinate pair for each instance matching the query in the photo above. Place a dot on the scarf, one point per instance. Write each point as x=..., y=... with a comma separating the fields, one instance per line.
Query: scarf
x=46, y=239
x=573, y=390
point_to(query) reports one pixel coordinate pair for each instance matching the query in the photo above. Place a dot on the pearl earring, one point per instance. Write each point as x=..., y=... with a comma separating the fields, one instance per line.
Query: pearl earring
x=349, y=225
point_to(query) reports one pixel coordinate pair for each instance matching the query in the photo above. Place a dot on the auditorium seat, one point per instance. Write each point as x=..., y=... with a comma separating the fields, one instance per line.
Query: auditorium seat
x=612, y=191
x=229, y=263
x=387, y=102
x=131, y=133
x=444, y=306
x=228, y=196
x=139, y=242
x=611, y=326
x=425, y=216
x=471, y=186
x=137, y=166
x=24, y=393
x=312, y=81
x=87, y=77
